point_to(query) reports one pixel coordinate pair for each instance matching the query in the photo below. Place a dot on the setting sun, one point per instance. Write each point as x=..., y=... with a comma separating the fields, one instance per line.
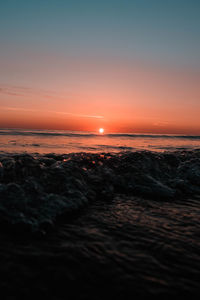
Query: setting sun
x=101, y=130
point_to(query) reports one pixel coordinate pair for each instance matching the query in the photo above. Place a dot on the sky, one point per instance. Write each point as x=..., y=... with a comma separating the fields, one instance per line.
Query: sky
x=126, y=66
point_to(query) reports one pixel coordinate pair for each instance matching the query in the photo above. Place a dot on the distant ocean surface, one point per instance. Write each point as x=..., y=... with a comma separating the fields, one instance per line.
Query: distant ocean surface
x=46, y=141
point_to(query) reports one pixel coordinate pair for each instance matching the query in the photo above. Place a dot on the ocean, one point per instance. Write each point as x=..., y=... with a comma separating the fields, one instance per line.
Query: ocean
x=46, y=141
x=89, y=216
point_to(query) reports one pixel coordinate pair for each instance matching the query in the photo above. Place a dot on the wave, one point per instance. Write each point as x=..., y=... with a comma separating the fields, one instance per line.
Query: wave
x=160, y=136
x=88, y=135
x=45, y=133
x=37, y=190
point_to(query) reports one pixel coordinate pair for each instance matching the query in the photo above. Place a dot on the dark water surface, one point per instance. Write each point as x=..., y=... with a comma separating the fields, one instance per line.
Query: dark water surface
x=123, y=248
x=96, y=226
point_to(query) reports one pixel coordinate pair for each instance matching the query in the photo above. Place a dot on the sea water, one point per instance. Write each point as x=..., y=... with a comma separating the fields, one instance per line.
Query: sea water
x=116, y=224
x=46, y=141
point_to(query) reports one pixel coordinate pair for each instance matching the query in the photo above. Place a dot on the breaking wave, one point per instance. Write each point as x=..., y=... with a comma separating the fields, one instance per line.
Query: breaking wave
x=36, y=190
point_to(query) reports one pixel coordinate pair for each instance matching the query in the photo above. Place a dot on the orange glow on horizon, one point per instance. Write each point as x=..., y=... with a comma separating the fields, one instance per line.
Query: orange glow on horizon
x=119, y=96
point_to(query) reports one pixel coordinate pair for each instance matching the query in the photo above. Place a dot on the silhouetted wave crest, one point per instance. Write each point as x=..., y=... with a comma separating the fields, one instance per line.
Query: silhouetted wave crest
x=85, y=134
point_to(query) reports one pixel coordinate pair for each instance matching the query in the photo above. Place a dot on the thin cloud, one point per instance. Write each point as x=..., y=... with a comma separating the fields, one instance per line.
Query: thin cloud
x=50, y=111
x=17, y=109
x=26, y=91
x=78, y=115
x=161, y=124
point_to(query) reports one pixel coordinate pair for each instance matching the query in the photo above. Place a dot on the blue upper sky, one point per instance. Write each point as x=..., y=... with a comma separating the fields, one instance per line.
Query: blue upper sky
x=166, y=30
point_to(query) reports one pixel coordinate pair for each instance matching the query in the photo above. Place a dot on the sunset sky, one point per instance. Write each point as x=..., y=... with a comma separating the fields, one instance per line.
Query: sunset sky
x=125, y=66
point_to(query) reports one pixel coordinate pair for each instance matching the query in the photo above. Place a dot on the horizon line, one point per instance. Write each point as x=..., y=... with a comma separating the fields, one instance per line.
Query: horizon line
x=105, y=133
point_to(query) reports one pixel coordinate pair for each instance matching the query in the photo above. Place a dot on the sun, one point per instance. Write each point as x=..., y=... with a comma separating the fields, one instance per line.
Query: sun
x=101, y=130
